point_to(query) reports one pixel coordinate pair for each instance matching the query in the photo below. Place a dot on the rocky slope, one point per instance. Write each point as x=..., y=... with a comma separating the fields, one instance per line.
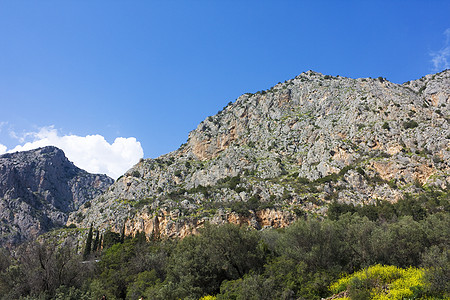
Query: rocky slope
x=272, y=156
x=38, y=189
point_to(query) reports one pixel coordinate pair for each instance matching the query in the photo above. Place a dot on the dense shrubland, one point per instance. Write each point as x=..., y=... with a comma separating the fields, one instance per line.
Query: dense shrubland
x=303, y=261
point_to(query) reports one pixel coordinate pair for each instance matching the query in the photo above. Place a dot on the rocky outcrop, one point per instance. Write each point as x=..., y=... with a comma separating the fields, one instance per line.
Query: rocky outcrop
x=38, y=189
x=291, y=149
x=175, y=224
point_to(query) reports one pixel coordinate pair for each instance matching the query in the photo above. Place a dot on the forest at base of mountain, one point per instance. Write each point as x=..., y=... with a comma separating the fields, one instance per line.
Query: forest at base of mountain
x=303, y=261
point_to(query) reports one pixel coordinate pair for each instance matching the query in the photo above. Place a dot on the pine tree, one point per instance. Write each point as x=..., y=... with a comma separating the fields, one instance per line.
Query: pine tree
x=95, y=244
x=122, y=234
x=87, y=248
x=100, y=243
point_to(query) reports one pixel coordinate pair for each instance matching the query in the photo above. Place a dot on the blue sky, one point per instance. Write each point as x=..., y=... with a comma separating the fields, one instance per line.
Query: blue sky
x=153, y=70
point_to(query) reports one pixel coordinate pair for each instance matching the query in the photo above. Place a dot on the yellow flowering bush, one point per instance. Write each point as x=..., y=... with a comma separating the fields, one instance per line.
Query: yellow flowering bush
x=208, y=297
x=383, y=283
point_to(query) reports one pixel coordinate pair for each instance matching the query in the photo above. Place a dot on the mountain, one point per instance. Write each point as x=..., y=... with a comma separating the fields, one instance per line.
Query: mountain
x=38, y=189
x=274, y=156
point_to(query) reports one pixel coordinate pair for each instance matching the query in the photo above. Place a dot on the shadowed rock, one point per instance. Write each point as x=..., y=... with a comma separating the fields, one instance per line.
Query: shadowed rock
x=38, y=189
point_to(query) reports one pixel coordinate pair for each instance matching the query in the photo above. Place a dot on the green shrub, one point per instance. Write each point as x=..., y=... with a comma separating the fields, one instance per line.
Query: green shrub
x=303, y=180
x=410, y=124
x=360, y=171
x=200, y=263
x=240, y=208
x=329, y=178
x=345, y=169
x=136, y=174
x=234, y=181
x=422, y=89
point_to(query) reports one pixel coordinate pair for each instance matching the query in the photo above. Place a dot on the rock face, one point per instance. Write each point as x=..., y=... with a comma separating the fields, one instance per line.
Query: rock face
x=278, y=154
x=38, y=189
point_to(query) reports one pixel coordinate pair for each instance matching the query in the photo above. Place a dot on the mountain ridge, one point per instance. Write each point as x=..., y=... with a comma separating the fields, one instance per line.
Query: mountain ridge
x=38, y=189
x=275, y=155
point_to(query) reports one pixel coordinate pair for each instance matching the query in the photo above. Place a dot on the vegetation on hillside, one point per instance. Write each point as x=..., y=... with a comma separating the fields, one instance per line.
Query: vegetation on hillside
x=361, y=253
x=383, y=282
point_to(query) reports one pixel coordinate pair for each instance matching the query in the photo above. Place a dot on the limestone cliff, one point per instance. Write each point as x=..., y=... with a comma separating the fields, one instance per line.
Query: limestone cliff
x=38, y=189
x=270, y=157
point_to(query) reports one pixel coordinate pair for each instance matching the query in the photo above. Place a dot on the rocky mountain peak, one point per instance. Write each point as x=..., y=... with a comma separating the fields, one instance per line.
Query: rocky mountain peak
x=38, y=188
x=290, y=150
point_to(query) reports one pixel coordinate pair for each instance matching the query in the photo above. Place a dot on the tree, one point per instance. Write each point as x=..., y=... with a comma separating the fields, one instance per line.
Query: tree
x=250, y=287
x=200, y=263
x=96, y=241
x=130, y=268
x=42, y=268
x=87, y=247
x=109, y=239
x=122, y=234
x=437, y=266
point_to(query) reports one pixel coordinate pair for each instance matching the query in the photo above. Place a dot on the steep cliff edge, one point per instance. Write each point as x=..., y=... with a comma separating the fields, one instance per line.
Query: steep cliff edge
x=38, y=189
x=272, y=156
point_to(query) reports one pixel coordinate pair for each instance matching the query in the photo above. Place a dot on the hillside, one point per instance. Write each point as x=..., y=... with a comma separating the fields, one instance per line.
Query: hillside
x=271, y=157
x=38, y=189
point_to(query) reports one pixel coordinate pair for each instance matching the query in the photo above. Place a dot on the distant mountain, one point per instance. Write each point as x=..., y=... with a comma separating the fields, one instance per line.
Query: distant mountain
x=278, y=154
x=38, y=189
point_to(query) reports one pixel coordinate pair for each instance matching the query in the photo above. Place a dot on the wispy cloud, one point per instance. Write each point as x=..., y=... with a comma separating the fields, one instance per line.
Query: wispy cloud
x=91, y=153
x=2, y=124
x=440, y=58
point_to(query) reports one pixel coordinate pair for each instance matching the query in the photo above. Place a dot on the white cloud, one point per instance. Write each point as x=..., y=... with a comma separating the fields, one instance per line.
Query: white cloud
x=91, y=153
x=2, y=149
x=440, y=58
